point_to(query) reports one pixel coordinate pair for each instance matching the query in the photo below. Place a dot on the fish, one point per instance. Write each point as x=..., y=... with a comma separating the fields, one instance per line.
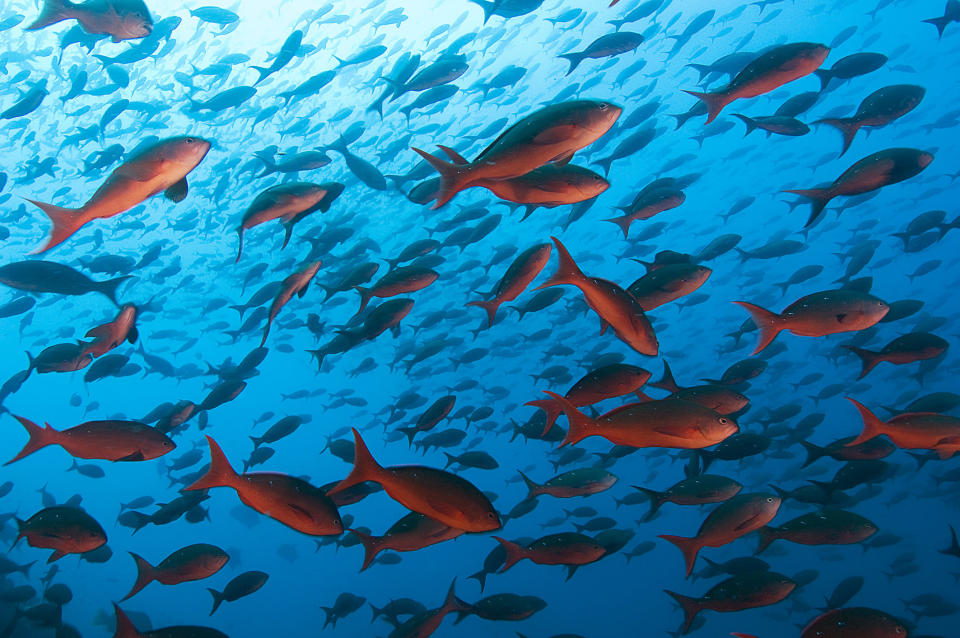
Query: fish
x=290, y=203
x=519, y=275
x=106, y=440
x=40, y=276
x=120, y=19
x=239, y=587
x=64, y=529
x=126, y=629
x=746, y=591
x=193, y=562
x=911, y=430
x=824, y=527
x=160, y=168
x=295, y=284
x=878, y=109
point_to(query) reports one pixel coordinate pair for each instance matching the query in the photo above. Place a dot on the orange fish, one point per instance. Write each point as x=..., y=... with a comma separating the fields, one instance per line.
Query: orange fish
x=669, y=423
x=442, y=496
x=64, y=529
x=743, y=591
x=912, y=430
x=411, y=533
x=547, y=136
x=111, y=335
x=194, y=562
x=566, y=548
x=916, y=346
x=737, y=517
x=615, y=306
x=295, y=284
x=105, y=440
x=521, y=272
x=160, y=168
x=817, y=315
x=287, y=499
x=771, y=70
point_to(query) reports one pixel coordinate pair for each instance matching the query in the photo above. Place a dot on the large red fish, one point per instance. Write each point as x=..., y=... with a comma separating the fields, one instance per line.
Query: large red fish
x=615, y=306
x=64, y=529
x=912, y=430
x=771, y=70
x=550, y=135
x=160, y=168
x=743, y=591
x=567, y=548
x=411, y=533
x=110, y=335
x=106, y=440
x=817, y=315
x=442, y=496
x=194, y=562
x=287, y=499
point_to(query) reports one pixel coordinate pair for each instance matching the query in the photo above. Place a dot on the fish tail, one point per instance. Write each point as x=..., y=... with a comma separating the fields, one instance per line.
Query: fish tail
x=657, y=499
x=365, y=296
x=372, y=545
x=217, y=599
x=580, y=426
x=490, y=307
x=825, y=75
x=782, y=493
x=239, y=246
x=451, y=603
x=568, y=273
x=39, y=438
x=690, y=606
x=480, y=577
x=146, y=574
x=623, y=222
x=667, y=381
x=410, y=433
x=533, y=489
x=365, y=467
x=606, y=163
x=264, y=72
x=769, y=323
x=287, y=233
x=125, y=627
x=109, y=287
x=453, y=178
x=514, y=553
x=574, y=59
x=749, y=121
x=819, y=198
x=847, y=126
x=53, y=11
x=872, y=425
x=868, y=358
x=66, y=221
x=266, y=332
x=552, y=410
x=689, y=547
x=814, y=452
x=941, y=24
x=220, y=473
x=767, y=535
x=714, y=101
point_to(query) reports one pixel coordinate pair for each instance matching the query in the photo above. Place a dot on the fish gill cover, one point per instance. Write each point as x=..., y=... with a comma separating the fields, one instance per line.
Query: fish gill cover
x=479, y=318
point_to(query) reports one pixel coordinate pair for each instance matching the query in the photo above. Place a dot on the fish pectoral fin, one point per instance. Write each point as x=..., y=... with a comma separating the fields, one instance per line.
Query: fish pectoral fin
x=841, y=317
x=178, y=192
x=303, y=291
x=136, y=456
x=299, y=510
x=603, y=326
x=563, y=160
x=133, y=335
x=666, y=432
x=746, y=523
x=554, y=135
x=671, y=286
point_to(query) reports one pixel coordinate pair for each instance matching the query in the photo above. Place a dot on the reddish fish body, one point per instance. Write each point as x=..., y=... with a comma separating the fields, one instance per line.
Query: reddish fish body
x=878, y=109
x=411, y=533
x=875, y=171
x=598, y=385
x=668, y=283
x=62, y=357
x=669, y=423
x=521, y=272
x=433, y=415
x=567, y=548
x=817, y=315
x=615, y=306
x=647, y=205
x=582, y=482
x=64, y=529
x=442, y=496
x=771, y=70
x=398, y=281
x=825, y=527
x=550, y=135
x=286, y=499
x=854, y=622
x=912, y=431
x=737, y=517
x=916, y=346
x=194, y=562
x=105, y=440
x=743, y=591
x=549, y=186
x=295, y=284
x=111, y=335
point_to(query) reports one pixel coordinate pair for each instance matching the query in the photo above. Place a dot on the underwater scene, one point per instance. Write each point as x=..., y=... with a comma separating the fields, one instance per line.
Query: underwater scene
x=479, y=318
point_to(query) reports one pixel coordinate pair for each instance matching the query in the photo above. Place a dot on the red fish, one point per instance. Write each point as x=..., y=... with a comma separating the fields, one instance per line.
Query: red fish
x=194, y=562
x=737, y=517
x=112, y=335
x=817, y=315
x=916, y=346
x=880, y=169
x=582, y=482
x=398, y=281
x=440, y=495
x=854, y=622
x=295, y=284
x=550, y=135
x=287, y=499
x=824, y=527
x=773, y=69
x=912, y=430
x=64, y=529
x=411, y=533
x=521, y=272
x=424, y=624
x=669, y=423
x=878, y=109
x=106, y=440
x=743, y=591
x=615, y=306
x=567, y=548
x=597, y=385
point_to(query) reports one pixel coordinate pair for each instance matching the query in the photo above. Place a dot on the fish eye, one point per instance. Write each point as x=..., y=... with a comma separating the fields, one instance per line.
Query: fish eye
x=190, y=140
x=769, y=499
x=604, y=106
x=723, y=421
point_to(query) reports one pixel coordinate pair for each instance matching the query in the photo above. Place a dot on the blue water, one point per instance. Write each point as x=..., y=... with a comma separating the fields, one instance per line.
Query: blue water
x=612, y=597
